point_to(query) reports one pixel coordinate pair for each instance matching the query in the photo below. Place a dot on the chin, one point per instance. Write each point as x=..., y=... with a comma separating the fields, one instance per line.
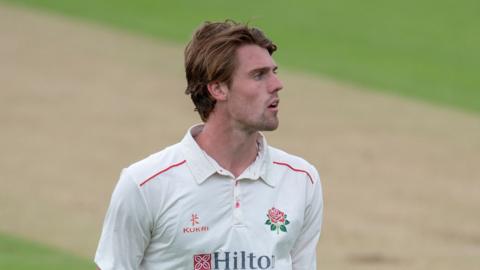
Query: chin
x=270, y=126
x=263, y=125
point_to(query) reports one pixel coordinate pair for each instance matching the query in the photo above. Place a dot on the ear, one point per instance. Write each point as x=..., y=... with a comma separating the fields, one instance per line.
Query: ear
x=218, y=90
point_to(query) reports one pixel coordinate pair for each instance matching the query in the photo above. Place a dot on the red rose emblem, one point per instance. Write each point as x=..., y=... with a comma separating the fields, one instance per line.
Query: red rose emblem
x=277, y=220
x=276, y=216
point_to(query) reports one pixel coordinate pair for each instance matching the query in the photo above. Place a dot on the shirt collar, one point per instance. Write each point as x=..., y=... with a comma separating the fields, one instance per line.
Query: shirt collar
x=203, y=166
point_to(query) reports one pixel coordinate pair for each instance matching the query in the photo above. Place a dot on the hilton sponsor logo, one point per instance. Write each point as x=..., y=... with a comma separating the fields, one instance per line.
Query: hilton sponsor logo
x=240, y=260
x=194, y=228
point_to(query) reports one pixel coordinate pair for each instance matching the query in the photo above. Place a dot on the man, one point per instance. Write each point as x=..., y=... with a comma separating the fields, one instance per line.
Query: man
x=221, y=198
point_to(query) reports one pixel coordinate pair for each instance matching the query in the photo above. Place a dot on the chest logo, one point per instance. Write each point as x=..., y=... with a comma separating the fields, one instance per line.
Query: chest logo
x=277, y=220
x=196, y=226
x=202, y=262
x=194, y=219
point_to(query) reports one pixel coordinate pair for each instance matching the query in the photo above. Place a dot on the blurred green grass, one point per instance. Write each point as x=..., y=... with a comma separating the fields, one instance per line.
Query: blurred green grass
x=428, y=49
x=19, y=254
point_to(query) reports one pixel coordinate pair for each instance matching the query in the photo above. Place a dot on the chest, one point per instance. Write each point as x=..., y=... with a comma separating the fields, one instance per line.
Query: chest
x=223, y=215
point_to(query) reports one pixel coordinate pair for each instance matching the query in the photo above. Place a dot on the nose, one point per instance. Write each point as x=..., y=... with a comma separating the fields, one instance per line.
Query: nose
x=275, y=84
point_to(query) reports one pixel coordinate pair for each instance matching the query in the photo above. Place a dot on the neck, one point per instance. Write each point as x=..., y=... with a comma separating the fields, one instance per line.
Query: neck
x=234, y=149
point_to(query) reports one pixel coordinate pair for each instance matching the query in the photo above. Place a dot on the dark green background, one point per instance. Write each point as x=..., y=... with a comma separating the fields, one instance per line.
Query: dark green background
x=18, y=254
x=427, y=49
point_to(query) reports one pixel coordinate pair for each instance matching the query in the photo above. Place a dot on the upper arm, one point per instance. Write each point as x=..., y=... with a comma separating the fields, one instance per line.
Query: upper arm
x=127, y=228
x=304, y=250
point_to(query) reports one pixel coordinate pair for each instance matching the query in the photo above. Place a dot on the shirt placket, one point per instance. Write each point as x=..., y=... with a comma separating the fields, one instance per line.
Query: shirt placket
x=237, y=204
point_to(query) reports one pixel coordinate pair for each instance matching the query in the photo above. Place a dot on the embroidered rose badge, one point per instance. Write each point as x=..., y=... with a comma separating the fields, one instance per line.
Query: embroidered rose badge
x=277, y=220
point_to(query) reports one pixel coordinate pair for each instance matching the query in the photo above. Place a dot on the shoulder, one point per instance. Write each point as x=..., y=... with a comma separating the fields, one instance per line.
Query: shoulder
x=156, y=164
x=296, y=174
x=282, y=160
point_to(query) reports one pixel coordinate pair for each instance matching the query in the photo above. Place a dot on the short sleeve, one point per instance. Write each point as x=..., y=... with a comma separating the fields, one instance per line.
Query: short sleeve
x=304, y=251
x=127, y=228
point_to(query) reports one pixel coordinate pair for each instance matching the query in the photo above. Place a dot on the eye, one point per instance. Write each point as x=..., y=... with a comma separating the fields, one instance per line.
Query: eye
x=258, y=75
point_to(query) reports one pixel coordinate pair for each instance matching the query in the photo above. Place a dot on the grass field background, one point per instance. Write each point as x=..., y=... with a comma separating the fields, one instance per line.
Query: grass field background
x=426, y=49
x=20, y=254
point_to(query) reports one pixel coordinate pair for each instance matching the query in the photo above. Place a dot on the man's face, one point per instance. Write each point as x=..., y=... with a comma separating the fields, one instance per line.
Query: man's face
x=252, y=98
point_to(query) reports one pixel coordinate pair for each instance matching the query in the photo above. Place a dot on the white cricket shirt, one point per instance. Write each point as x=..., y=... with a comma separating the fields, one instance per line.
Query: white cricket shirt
x=178, y=209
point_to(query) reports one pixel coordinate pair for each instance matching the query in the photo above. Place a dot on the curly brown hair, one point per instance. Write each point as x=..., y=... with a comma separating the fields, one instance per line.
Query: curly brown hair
x=210, y=57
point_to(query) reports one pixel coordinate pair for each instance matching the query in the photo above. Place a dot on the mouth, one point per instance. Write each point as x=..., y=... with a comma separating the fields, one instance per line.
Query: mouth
x=274, y=104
